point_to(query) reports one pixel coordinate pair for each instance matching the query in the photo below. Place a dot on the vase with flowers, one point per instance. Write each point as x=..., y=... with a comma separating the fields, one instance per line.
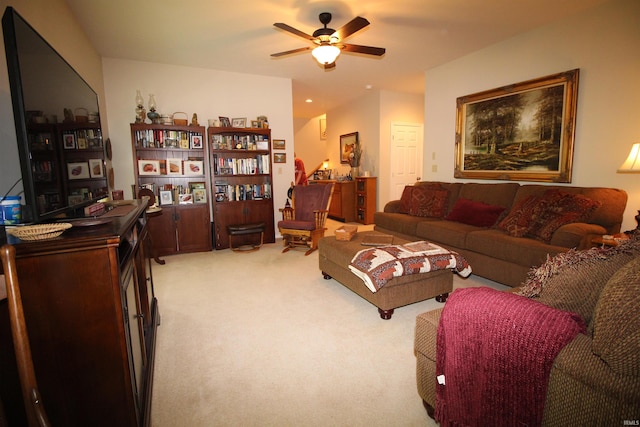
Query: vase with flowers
x=354, y=159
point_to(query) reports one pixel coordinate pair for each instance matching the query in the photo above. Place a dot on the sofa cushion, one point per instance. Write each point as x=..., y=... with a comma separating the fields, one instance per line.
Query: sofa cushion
x=501, y=194
x=474, y=213
x=617, y=321
x=399, y=223
x=563, y=208
x=573, y=280
x=449, y=233
x=428, y=201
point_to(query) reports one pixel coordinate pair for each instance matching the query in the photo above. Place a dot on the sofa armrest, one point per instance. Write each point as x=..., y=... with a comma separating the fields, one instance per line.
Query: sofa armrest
x=582, y=385
x=392, y=206
x=577, y=235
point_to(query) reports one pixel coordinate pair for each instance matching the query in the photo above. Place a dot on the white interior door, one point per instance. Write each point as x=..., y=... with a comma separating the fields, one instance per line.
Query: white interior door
x=406, y=157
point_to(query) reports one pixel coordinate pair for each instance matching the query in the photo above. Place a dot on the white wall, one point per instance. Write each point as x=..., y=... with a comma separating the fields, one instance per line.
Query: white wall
x=209, y=94
x=604, y=43
x=308, y=144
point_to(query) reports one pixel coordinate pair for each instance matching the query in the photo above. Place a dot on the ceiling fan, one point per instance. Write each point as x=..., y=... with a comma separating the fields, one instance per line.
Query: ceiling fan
x=329, y=42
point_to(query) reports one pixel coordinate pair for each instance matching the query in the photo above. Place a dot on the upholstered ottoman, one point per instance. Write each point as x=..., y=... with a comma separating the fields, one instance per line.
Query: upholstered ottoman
x=336, y=255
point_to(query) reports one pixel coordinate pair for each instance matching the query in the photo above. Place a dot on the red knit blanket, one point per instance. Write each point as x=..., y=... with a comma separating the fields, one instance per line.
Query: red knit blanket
x=376, y=266
x=494, y=354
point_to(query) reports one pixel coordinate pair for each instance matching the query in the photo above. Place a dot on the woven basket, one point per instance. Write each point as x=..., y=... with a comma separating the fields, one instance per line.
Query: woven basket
x=346, y=232
x=40, y=231
x=180, y=122
x=82, y=115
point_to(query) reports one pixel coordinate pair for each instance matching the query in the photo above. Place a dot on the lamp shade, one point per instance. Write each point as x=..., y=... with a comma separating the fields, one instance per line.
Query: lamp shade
x=632, y=164
x=325, y=53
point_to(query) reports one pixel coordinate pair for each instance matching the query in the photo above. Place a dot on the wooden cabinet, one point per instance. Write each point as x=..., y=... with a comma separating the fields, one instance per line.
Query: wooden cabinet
x=92, y=317
x=342, y=206
x=172, y=162
x=365, y=199
x=241, y=181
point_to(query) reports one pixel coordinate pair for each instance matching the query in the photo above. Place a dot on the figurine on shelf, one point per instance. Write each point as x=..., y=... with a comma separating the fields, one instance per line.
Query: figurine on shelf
x=140, y=112
x=194, y=120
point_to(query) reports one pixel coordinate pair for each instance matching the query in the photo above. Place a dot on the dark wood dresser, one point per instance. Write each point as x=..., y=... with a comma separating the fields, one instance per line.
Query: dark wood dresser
x=92, y=317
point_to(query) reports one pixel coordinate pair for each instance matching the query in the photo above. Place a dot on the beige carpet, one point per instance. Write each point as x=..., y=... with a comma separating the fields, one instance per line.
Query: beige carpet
x=261, y=339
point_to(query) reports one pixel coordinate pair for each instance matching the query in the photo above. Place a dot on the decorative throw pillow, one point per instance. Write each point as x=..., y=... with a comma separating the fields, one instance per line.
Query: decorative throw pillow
x=563, y=209
x=405, y=200
x=474, y=213
x=520, y=218
x=428, y=201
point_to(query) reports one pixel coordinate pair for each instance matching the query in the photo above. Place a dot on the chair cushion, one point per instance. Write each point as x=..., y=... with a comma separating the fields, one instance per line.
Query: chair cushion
x=296, y=225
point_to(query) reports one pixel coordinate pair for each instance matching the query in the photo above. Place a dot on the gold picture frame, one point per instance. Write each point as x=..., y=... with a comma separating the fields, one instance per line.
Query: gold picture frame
x=519, y=132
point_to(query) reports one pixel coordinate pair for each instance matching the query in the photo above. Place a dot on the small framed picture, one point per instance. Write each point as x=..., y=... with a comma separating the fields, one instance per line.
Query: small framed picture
x=149, y=167
x=224, y=122
x=69, y=141
x=196, y=141
x=82, y=143
x=255, y=124
x=95, y=168
x=78, y=170
x=239, y=123
x=279, y=157
x=166, y=197
x=184, y=143
x=193, y=167
x=174, y=166
x=199, y=195
x=279, y=144
x=196, y=185
x=185, y=199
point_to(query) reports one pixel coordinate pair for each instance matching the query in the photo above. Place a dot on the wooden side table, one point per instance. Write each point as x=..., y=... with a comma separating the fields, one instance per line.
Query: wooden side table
x=609, y=241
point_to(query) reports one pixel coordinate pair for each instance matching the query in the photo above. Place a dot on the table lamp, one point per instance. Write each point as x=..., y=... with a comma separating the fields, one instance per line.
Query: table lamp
x=632, y=165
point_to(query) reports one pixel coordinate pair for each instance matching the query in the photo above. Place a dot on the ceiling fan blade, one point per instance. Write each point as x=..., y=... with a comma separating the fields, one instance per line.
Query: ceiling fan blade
x=367, y=50
x=351, y=27
x=293, y=31
x=289, y=52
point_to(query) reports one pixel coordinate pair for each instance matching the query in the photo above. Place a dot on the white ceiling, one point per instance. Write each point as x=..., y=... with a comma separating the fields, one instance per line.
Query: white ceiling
x=239, y=36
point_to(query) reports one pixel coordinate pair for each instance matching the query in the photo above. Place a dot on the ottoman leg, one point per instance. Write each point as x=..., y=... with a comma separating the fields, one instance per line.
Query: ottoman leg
x=385, y=314
x=442, y=297
x=326, y=276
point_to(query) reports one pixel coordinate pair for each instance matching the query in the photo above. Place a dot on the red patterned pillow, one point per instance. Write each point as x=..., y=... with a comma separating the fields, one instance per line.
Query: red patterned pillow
x=428, y=201
x=564, y=210
x=405, y=200
x=520, y=218
x=474, y=213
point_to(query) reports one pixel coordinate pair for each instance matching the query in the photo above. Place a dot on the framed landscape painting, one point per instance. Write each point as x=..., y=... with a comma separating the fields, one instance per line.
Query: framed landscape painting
x=520, y=132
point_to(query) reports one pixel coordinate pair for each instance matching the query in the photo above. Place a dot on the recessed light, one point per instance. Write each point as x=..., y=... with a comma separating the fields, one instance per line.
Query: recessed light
x=308, y=100
x=368, y=87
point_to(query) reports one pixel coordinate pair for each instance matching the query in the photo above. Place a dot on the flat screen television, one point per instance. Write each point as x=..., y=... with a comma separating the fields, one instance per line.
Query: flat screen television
x=58, y=134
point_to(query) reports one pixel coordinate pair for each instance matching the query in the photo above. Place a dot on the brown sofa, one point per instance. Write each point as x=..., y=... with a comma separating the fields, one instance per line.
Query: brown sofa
x=595, y=378
x=492, y=252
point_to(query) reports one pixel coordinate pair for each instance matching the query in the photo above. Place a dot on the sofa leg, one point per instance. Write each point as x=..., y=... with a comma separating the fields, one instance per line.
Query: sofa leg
x=385, y=314
x=442, y=297
x=429, y=409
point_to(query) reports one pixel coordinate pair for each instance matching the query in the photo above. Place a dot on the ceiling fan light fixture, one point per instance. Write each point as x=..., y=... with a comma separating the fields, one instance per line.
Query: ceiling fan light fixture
x=325, y=53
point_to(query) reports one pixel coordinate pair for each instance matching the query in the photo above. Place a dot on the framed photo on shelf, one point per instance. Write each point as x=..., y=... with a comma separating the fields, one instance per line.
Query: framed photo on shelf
x=279, y=144
x=196, y=185
x=185, y=199
x=239, y=123
x=174, y=166
x=82, y=143
x=78, y=170
x=519, y=132
x=166, y=197
x=74, y=199
x=279, y=157
x=95, y=168
x=196, y=141
x=193, y=167
x=149, y=167
x=199, y=195
x=69, y=141
x=224, y=122
x=255, y=124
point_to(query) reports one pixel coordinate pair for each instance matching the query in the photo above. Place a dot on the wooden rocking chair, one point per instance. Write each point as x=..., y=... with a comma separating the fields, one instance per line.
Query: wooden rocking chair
x=303, y=224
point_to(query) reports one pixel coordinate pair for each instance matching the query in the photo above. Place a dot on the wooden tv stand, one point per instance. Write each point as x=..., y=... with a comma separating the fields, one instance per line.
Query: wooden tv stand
x=91, y=316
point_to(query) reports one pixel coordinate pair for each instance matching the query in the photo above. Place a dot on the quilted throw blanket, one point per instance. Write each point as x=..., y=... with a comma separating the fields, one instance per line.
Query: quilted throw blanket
x=494, y=353
x=376, y=266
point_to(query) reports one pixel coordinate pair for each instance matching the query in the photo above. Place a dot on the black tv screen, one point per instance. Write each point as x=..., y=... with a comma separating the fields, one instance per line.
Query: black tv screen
x=58, y=134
